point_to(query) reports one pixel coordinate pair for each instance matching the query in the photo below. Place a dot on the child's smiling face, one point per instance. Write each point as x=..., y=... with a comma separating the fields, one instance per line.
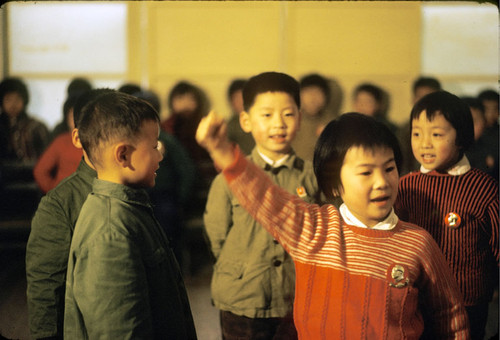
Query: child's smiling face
x=273, y=121
x=433, y=142
x=369, y=183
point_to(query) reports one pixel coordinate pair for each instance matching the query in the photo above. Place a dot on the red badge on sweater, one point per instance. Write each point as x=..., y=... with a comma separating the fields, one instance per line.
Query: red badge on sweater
x=301, y=191
x=452, y=220
x=398, y=276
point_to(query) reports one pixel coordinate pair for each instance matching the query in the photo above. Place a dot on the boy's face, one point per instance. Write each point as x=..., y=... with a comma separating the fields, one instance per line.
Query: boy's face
x=312, y=100
x=365, y=103
x=184, y=103
x=145, y=157
x=491, y=111
x=369, y=183
x=433, y=142
x=273, y=121
x=237, y=101
x=13, y=104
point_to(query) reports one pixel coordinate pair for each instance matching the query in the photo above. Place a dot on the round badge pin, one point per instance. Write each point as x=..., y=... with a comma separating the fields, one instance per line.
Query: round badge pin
x=452, y=220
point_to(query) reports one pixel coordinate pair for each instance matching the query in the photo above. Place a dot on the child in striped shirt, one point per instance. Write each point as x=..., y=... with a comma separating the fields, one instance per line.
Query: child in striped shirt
x=456, y=204
x=360, y=271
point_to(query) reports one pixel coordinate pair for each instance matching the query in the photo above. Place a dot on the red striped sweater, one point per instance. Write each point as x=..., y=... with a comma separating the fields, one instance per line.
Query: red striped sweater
x=470, y=245
x=354, y=283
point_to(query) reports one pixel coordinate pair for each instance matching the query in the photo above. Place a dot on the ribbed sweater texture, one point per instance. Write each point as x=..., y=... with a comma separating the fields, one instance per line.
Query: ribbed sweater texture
x=345, y=282
x=471, y=247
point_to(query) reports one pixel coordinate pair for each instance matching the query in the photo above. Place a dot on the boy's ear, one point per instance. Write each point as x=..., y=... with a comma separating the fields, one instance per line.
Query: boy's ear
x=122, y=153
x=245, y=121
x=75, y=138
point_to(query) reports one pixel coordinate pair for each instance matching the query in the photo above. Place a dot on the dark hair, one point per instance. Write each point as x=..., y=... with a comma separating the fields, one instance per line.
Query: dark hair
x=474, y=103
x=236, y=85
x=317, y=80
x=13, y=84
x=379, y=94
x=110, y=116
x=77, y=86
x=270, y=82
x=129, y=88
x=453, y=109
x=69, y=104
x=86, y=98
x=349, y=130
x=488, y=95
x=430, y=82
x=151, y=97
x=184, y=87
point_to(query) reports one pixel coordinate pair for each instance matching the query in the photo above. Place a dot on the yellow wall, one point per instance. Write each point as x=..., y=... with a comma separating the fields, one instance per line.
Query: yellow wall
x=209, y=43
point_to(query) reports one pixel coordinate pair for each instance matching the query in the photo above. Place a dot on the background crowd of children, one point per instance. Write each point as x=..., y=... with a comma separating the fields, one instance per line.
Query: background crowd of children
x=449, y=145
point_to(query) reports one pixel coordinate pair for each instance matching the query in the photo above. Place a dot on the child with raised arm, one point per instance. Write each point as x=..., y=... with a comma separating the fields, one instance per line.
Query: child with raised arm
x=456, y=204
x=360, y=271
x=123, y=281
x=254, y=279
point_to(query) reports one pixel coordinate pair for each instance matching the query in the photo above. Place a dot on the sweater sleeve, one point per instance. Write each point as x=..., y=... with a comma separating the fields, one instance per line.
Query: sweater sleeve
x=46, y=167
x=301, y=228
x=494, y=217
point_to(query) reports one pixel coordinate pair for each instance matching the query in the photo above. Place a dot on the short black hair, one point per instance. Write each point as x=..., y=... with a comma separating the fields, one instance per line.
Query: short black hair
x=488, y=95
x=317, y=80
x=376, y=92
x=185, y=87
x=453, y=109
x=78, y=85
x=270, y=82
x=113, y=115
x=151, y=97
x=474, y=103
x=85, y=98
x=129, y=88
x=235, y=85
x=429, y=82
x=14, y=84
x=349, y=130
x=69, y=104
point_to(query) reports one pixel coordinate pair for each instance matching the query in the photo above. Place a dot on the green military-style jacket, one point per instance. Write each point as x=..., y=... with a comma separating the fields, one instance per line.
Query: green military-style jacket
x=253, y=275
x=123, y=280
x=48, y=248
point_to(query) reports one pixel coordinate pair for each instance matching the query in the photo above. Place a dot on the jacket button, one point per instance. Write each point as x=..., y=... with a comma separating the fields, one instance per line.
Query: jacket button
x=276, y=263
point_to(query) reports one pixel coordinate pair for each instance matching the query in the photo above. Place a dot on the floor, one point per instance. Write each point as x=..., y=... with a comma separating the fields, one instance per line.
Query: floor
x=13, y=309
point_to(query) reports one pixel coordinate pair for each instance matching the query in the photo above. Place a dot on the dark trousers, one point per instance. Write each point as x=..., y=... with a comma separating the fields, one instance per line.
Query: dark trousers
x=478, y=315
x=235, y=327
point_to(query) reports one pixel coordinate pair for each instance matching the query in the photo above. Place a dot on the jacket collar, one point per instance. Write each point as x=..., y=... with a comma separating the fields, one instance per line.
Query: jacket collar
x=291, y=162
x=85, y=171
x=120, y=192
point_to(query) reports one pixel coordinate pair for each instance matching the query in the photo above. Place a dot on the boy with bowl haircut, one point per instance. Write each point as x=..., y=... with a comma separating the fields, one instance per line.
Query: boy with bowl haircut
x=360, y=271
x=254, y=277
x=455, y=203
x=123, y=280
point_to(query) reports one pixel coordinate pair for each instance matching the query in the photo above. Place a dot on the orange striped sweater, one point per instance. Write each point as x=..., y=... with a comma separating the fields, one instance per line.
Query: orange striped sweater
x=354, y=283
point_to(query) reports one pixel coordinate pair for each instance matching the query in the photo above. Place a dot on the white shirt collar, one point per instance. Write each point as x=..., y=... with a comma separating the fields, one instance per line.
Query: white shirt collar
x=387, y=224
x=458, y=169
x=272, y=163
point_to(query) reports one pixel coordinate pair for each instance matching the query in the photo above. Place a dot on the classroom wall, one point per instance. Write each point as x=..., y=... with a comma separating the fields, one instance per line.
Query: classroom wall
x=209, y=43
x=157, y=43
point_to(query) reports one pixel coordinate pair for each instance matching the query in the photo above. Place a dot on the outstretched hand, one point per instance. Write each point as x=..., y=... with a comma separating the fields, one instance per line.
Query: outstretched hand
x=212, y=135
